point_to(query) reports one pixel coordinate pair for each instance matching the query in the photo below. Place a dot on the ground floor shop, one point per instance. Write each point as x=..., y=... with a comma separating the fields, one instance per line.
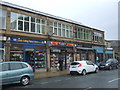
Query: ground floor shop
x=99, y=53
x=30, y=51
x=109, y=54
x=61, y=55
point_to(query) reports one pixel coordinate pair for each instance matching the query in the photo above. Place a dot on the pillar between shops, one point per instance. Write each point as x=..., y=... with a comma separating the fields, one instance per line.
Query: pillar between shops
x=48, y=57
x=75, y=54
x=7, y=50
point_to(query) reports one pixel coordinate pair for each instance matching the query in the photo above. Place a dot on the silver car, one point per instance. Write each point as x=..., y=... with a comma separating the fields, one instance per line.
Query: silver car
x=15, y=72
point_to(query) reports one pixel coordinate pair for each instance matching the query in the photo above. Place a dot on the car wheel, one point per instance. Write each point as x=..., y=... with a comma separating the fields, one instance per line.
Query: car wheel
x=25, y=80
x=96, y=70
x=84, y=72
x=110, y=67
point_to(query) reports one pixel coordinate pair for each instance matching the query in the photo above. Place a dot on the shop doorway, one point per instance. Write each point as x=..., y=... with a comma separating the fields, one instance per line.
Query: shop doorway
x=29, y=56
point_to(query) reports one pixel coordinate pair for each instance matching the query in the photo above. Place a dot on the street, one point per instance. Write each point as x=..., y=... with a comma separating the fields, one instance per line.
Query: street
x=102, y=79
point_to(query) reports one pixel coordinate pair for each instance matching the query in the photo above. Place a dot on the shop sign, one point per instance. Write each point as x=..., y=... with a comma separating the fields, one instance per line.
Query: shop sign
x=99, y=49
x=54, y=43
x=27, y=41
x=69, y=44
x=55, y=50
x=70, y=50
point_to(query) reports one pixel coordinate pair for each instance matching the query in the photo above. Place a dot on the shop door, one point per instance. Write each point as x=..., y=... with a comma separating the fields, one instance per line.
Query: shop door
x=29, y=56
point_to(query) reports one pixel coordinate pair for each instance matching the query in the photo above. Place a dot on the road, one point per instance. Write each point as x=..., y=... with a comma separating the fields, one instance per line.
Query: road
x=102, y=79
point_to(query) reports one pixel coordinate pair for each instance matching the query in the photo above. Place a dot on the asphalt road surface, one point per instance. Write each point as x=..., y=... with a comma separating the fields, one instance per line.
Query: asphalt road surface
x=102, y=79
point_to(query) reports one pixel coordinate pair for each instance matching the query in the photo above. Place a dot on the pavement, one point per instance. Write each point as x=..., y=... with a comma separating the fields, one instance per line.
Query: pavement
x=39, y=74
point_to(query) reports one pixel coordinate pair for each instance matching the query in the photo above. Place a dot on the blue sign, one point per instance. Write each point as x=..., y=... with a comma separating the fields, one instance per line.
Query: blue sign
x=27, y=41
x=108, y=52
x=99, y=49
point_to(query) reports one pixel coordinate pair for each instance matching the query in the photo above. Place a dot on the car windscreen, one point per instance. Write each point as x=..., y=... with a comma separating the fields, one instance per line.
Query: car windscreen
x=75, y=63
x=109, y=60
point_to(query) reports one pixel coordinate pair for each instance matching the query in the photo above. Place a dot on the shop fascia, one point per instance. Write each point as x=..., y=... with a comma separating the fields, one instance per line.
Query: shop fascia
x=59, y=45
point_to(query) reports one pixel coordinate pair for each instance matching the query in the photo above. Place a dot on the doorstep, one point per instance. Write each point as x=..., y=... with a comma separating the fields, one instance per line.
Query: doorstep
x=50, y=74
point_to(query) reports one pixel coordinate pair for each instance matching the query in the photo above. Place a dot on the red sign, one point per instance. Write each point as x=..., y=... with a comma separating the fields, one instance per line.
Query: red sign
x=69, y=44
x=54, y=43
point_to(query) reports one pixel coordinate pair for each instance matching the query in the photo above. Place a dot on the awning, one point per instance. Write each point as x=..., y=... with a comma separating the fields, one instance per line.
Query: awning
x=84, y=48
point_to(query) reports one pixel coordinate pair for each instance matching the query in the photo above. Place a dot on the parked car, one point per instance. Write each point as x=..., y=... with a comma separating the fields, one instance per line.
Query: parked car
x=109, y=64
x=83, y=67
x=15, y=72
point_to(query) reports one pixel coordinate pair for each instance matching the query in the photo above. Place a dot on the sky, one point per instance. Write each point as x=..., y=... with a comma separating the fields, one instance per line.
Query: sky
x=99, y=14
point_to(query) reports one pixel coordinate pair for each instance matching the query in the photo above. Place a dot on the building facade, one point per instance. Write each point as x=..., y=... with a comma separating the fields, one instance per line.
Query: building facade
x=43, y=40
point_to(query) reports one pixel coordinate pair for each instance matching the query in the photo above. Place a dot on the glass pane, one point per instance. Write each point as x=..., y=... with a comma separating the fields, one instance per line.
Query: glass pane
x=15, y=66
x=59, y=32
x=59, y=25
x=43, y=21
x=51, y=23
x=55, y=24
x=63, y=32
x=38, y=28
x=13, y=15
x=2, y=19
x=67, y=33
x=26, y=18
x=71, y=35
x=26, y=26
x=55, y=31
x=63, y=25
x=13, y=24
x=43, y=29
x=2, y=22
x=37, y=20
x=5, y=67
x=20, y=25
x=20, y=16
x=32, y=27
x=32, y=19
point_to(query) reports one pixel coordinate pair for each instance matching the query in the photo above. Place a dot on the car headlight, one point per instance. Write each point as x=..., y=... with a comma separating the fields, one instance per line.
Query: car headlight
x=107, y=64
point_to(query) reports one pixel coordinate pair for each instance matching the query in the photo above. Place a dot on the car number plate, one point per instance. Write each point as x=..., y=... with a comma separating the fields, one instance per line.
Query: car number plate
x=73, y=67
x=101, y=66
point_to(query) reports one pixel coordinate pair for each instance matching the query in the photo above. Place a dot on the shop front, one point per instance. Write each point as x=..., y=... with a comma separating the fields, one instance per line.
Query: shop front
x=99, y=54
x=109, y=54
x=85, y=52
x=61, y=55
x=30, y=51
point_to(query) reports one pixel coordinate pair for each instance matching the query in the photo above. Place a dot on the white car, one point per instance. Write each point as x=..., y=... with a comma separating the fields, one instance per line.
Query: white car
x=83, y=67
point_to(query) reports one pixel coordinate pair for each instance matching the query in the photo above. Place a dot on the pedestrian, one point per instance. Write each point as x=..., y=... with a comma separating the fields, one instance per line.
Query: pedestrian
x=61, y=65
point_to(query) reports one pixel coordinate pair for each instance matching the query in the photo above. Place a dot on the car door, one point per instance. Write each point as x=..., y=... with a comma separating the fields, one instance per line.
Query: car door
x=4, y=74
x=90, y=66
x=16, y=72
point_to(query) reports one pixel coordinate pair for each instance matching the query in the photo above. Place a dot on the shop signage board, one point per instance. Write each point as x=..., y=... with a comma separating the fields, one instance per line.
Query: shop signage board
x=61, y=44
x=27, y=41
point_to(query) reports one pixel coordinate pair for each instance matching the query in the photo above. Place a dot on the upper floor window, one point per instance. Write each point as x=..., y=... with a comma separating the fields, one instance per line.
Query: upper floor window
x=98, y=37
x=60, y=29
x=3, y=19
x=26, y=23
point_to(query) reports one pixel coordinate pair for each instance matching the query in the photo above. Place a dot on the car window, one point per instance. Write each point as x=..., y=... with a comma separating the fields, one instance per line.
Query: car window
x=5, y=67
x=89, y=63
x=24, y=65
x=15, y=66
x=109, y=61
x=75, y=63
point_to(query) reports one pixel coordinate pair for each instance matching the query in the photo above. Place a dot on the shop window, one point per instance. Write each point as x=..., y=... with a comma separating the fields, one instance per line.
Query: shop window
x=2, y=19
